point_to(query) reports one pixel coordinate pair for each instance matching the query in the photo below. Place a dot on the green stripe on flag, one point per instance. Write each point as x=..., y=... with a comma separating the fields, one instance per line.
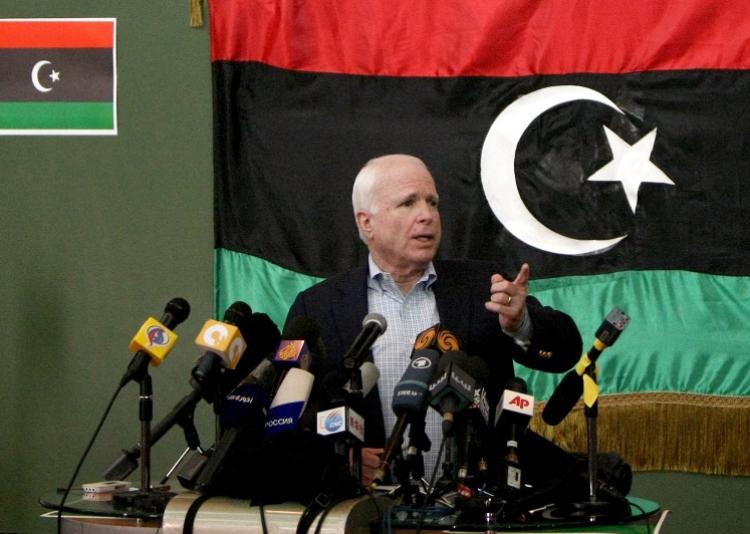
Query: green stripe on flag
x=687, y=330
x=266, y=287
x=57, y=115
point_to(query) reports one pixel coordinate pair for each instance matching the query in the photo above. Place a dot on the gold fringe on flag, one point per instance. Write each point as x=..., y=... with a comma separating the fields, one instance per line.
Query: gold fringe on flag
x=663, y=431
x=196, y=13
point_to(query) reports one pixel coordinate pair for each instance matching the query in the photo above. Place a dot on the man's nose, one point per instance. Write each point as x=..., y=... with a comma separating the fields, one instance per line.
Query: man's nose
x=426, y=211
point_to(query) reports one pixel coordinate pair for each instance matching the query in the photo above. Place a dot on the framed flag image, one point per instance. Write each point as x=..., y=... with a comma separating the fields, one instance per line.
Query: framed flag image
x=59, y=76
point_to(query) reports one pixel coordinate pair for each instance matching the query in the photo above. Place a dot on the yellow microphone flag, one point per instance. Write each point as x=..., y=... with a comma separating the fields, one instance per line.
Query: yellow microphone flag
x=155, y=339
x=223, y=339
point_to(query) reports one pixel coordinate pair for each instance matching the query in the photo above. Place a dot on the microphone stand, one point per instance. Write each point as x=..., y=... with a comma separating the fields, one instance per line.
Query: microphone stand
x=354, y=401
x=596, y=508
x=145, y=498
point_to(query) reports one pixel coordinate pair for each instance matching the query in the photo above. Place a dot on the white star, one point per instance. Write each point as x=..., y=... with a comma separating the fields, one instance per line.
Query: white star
x=631, y=165
x=55, y=76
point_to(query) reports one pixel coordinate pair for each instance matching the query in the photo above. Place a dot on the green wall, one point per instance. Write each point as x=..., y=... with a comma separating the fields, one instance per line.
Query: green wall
x=100, y=232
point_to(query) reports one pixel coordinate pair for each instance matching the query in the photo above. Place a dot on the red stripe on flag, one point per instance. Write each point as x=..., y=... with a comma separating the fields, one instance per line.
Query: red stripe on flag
x=56, y=34
x=483, y=38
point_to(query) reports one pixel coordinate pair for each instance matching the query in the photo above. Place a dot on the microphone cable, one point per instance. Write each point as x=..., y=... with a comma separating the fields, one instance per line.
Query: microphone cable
x=83, y=457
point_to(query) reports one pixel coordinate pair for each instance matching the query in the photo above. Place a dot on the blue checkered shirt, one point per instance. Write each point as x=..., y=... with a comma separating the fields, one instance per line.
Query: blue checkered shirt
x=407, y=316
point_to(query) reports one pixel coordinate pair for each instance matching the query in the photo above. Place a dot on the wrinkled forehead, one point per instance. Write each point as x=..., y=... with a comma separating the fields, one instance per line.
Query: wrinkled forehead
x=403, y=178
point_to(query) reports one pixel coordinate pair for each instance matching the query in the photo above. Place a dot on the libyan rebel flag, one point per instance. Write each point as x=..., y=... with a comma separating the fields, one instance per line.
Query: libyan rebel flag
x=606, y=145
x=58, y=77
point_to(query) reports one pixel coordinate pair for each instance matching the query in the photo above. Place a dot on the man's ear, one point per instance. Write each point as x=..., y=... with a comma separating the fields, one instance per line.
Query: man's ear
x=364, y=222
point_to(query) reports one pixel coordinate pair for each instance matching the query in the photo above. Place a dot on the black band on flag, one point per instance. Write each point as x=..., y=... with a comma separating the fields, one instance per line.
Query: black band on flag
x=61, y=75
x=288, y=145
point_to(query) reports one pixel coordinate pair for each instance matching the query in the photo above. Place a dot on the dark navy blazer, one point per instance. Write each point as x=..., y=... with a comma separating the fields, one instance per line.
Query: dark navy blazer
x=339, y=304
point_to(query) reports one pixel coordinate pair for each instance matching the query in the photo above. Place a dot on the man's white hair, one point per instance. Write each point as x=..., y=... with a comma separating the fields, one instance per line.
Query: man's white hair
x=363, y=190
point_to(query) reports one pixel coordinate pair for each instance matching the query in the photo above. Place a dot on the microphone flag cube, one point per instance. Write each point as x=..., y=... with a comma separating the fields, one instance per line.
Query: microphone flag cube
x=341, y=420
x=515, y=404
x=292, y=353
x=223, y=339
x=155, y=339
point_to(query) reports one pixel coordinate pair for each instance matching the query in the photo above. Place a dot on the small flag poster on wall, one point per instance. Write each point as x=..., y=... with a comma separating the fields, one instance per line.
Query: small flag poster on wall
x=59, y=76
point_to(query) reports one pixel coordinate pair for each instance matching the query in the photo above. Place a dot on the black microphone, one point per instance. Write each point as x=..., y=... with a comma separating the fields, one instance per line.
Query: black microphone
x=373, y=325
x=205, y=381
x=512, y=416
x=299, y=349
x=262, y=336
x=409, y=401
x=254, y=369
x=452, y=389
x=243, y=418
x=175, y=312
x=570, y=389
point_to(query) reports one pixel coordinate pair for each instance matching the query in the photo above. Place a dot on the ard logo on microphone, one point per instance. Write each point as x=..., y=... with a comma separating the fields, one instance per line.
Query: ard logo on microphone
x=421, y=363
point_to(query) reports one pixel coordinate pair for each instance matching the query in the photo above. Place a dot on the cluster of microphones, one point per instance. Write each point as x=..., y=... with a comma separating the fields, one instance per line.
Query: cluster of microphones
x=262, y=386
x=480, y=436
x=260, y=383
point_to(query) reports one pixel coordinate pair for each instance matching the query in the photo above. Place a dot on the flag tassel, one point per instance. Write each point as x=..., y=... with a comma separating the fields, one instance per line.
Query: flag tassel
x=663, y=431
x=196, y=13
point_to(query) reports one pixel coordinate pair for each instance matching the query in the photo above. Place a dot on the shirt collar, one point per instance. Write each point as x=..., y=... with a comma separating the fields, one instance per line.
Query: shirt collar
x=376, y=275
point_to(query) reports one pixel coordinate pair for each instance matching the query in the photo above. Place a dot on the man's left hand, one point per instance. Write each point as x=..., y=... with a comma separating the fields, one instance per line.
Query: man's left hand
x=508, y=298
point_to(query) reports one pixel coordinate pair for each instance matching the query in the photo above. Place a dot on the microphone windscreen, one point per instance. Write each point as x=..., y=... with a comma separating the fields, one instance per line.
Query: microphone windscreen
x=246, y=405
x=456, y=357
x=175, y=312
x=290, y=401
x=262, y=336
x=516, y=383
x=377, y=319
x=563, y=399
x=301, y=327
x=478, y=370
x=307, y=329
x=370, y=377
x=410, y=393
x=239, y=314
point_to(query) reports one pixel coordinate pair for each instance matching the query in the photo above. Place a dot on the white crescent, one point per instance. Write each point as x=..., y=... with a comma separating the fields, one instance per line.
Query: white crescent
x=35, y=76
x=499, y=177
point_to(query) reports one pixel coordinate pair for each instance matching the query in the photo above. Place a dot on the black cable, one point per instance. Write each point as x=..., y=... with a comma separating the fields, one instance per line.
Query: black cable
x=323, y=516
x=645, y=518
x=262, y=512
x=83, y=457
x=192, y=513
x=375, y=504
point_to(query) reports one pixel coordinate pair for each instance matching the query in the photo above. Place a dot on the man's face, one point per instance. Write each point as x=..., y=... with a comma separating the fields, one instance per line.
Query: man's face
x=404, y=230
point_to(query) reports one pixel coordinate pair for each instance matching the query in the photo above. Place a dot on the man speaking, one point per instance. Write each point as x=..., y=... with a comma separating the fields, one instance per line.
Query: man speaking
x=396, y=210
